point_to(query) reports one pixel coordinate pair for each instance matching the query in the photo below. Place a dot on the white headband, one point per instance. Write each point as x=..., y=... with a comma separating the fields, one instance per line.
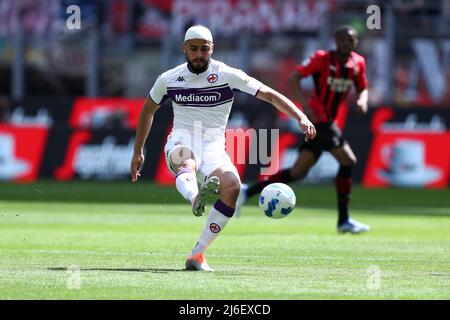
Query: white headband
x=198, y=32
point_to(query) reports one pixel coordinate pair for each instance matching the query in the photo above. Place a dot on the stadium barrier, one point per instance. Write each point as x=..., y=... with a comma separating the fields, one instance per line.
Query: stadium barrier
x=92, y=139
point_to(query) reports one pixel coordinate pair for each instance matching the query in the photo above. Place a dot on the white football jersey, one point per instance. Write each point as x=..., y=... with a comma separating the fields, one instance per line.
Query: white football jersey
x=202, y=100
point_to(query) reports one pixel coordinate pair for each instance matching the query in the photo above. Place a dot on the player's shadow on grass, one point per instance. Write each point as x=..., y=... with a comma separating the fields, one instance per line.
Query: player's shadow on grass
x=154, y=270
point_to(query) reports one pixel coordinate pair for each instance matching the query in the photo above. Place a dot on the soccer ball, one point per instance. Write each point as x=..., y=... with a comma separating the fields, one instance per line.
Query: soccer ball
x=277, y=200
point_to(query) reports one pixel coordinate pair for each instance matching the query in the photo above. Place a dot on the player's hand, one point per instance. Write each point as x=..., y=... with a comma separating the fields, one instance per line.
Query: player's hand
x=136, y=164
x=308, y=128
x=362, y=106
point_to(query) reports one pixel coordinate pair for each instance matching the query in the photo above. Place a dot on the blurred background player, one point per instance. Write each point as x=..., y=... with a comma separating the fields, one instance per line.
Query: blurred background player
x=202, y=94
x=334, y=72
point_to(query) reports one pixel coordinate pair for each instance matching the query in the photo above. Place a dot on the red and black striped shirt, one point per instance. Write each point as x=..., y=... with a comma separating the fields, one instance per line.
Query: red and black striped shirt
x=332, y=81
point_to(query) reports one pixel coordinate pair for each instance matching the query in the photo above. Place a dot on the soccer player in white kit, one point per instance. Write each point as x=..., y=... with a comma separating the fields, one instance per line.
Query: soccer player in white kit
x=202, y=91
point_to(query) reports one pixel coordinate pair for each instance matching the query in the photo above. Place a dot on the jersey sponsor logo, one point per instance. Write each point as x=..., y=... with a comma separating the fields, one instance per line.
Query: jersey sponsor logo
x=339, y=85
x=199, y=97
x=212, y=78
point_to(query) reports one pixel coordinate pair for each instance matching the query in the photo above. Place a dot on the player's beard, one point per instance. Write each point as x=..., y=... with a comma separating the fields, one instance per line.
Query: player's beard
x=196, y=70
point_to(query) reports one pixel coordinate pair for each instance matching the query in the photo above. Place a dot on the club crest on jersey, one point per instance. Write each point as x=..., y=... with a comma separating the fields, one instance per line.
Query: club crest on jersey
x=212, y=78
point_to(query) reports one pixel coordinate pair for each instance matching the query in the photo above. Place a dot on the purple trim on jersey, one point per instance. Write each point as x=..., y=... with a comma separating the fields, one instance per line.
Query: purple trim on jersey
x=223, y=208
x=201, y=97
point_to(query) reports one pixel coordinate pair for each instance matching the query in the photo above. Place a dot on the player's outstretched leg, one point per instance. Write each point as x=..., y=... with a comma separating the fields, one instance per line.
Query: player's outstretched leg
x=347, y=161
x=207, y=189
x=218, y=217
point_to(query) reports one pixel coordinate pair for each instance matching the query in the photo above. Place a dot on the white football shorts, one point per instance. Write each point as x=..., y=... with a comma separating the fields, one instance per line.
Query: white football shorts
x=209, y=155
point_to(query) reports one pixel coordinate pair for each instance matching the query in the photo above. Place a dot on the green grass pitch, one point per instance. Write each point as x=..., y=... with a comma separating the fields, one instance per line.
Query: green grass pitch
x=130, y=241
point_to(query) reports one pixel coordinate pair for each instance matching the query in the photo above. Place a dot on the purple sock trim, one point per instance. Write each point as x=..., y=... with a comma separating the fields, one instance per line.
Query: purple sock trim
x=184, y=170
x=223, y=208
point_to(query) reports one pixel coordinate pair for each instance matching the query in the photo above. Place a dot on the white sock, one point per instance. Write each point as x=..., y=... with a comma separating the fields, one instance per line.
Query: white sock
x=186, y=183
x=199, y=248
x=214, y=225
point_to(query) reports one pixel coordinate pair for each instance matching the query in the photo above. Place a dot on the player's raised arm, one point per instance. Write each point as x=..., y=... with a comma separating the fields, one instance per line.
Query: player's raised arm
x=143, y=128
x=285, y=105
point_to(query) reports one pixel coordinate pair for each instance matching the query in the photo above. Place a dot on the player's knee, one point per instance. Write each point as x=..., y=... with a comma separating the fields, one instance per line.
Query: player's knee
x=182, y=157
x=187, y=163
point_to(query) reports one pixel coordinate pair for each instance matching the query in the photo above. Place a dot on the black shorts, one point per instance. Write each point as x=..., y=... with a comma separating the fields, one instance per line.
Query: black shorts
x=328, y=136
